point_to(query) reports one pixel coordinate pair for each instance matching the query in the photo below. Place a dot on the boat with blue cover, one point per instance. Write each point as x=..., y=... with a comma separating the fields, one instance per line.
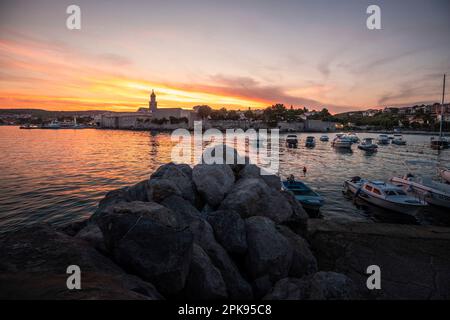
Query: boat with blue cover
x=304, y=194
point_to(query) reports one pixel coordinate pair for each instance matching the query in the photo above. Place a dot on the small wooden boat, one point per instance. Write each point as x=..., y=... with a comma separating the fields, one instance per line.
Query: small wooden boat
x=304, y=194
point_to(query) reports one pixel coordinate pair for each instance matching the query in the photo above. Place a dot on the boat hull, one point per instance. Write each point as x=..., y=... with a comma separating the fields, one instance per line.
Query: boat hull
x=408, y=209
x=368, y=148
x=431, y=196
x=342, y=145
x=445, y=174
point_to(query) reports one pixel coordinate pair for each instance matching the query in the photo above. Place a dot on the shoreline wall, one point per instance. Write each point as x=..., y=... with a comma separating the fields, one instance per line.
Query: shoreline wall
x=414, y=260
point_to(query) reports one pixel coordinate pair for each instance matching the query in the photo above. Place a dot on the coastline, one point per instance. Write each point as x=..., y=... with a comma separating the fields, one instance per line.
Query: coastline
x=196, y=234
x=405, y=132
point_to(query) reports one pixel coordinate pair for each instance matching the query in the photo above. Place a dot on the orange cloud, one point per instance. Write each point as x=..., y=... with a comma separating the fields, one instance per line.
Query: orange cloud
x=42, y=74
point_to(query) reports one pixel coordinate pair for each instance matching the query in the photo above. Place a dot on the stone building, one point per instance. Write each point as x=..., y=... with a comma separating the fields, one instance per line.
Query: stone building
x=148, y=118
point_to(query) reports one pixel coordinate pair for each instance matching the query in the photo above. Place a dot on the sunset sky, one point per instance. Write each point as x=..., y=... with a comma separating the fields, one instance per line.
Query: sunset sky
x=234, y=54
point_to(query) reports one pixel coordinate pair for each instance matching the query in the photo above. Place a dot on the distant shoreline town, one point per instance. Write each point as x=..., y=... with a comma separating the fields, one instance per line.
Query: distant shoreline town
x=420, y=118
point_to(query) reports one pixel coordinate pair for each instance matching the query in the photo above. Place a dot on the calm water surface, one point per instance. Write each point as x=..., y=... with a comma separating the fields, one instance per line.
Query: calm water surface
x=58, y=176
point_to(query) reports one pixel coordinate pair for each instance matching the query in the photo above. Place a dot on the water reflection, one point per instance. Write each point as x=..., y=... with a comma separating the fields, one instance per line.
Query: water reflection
x=58, y=176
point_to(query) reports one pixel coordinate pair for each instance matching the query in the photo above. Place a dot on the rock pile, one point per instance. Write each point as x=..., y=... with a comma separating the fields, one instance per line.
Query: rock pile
x=214, y=231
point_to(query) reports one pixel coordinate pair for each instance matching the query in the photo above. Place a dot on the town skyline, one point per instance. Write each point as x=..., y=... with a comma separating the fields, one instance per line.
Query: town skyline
x=302, y=53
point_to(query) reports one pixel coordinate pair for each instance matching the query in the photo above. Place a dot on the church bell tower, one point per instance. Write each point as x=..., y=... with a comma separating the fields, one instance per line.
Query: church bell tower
x=153, y=104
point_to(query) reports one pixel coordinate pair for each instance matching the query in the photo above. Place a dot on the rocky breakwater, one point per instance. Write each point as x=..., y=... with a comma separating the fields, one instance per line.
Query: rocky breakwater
x=214, y=231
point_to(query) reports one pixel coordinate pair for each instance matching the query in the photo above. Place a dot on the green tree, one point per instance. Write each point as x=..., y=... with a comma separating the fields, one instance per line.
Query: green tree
x=203, y=111
x=249, y=114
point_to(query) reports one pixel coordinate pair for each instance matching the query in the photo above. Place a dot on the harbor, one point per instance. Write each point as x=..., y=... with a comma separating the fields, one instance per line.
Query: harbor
x=58, y=176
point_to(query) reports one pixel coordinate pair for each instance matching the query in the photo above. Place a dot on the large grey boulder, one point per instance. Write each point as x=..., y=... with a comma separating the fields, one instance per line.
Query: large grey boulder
x=138, y=192
x=213, y=182
x=303, y=261
x=224, y=154
x=183, y=209
x=204, y=281
x=150, y=244
x=229, y=229
x=319, y=286
x=331, y=286
x=252, y=197
x=253, y=171
x=180, y=175
x=237, y=287
x=34, y=261
x=269, y=253
x=160, y=189
x=92, y=234
x=289, y=289
x=299, y=216
x=112, y=197
x=150, y=209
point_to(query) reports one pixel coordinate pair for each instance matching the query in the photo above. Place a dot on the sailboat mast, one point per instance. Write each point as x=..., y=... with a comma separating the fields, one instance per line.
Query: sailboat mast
x=442, y=108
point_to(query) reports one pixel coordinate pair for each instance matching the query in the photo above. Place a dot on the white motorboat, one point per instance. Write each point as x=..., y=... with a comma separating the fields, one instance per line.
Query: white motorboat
x=384, y=195
x=398, y=140
x=291, y=141
x=383, y=139
x=342, y=142
x=433, y=192
x=368, y=145
x=444, y=174
x=353, y=137
x=54, y=124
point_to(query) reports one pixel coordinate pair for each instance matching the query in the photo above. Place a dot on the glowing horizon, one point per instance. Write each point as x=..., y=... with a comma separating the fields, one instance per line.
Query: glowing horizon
x=310, y=54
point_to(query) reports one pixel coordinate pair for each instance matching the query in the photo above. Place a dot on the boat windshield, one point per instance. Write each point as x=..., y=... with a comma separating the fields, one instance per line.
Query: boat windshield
x=395, y=193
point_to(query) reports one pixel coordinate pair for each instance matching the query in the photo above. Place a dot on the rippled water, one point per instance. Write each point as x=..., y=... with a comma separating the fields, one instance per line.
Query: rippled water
x=59, y=176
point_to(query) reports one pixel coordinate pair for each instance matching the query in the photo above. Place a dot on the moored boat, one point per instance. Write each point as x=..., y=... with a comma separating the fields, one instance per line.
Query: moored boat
x=55, y=124
x=341, y=142
x=291, y=141
x=383, y=139
x=439, y=143
x=398, y=140
x=385, y=195
x=353, y=137
x=309, y=199
x=310, y=142
x=368, y=145
x=29, y=126
x=433, y=192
